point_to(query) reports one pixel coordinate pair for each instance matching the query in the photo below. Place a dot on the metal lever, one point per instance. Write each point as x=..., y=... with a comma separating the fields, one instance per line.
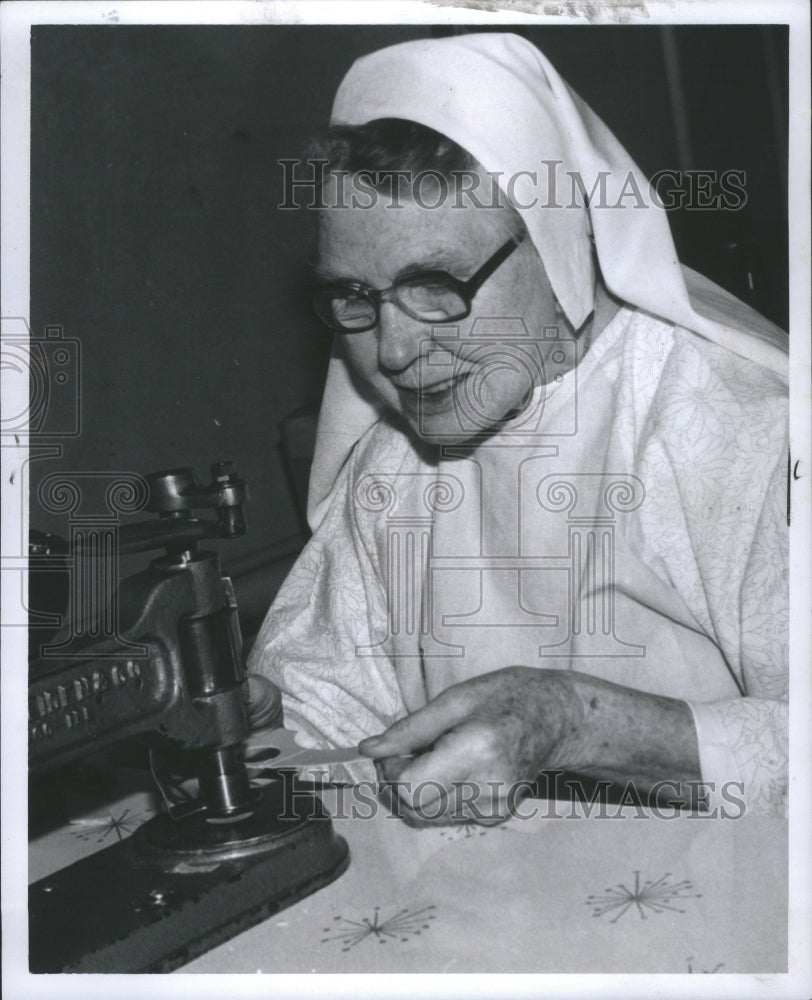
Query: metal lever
x=174, y=494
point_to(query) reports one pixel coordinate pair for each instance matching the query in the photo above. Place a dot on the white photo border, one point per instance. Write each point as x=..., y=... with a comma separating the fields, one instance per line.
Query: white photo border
x=16, y=21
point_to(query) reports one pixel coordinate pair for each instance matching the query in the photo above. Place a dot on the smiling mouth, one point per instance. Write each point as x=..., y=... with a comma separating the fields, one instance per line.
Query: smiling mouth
x=435, y=389
x=435, y=401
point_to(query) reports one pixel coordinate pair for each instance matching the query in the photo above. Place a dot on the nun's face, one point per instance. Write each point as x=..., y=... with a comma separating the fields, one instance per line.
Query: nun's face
x=450, y=381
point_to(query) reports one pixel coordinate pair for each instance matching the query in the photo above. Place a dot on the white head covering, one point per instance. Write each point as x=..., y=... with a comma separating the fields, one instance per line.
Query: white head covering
x=500, y=99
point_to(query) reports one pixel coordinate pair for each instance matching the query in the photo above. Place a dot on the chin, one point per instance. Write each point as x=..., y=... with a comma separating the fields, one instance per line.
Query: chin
x=450, y=432
x=449, y=419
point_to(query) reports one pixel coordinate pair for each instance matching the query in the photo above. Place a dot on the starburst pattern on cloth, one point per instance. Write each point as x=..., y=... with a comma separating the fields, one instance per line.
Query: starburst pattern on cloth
x=399, y=927
x=707, y=972
x=654, y=897
x=103, y=827
x=466, y=831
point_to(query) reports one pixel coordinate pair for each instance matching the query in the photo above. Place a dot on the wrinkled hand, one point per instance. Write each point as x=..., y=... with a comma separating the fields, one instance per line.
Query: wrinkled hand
x=472, y=749
x=477, y=745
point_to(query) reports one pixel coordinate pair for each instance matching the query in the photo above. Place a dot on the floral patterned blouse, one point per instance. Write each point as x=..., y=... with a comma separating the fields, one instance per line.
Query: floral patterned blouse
x=630, y=523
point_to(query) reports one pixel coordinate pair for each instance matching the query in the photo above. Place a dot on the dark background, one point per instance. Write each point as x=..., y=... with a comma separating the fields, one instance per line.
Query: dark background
x=157, y=244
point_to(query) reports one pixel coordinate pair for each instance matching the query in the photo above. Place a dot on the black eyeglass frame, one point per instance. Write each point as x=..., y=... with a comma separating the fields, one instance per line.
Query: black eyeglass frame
x=465, y=289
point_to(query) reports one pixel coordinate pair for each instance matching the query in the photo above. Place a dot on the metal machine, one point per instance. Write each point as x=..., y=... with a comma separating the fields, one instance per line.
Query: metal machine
x=171, y=675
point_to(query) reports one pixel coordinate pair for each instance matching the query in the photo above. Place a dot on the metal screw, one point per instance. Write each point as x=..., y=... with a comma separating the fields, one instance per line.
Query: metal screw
x=222, y=472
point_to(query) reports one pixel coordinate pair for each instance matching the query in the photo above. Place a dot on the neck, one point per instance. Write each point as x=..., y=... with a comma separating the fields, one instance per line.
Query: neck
x=606, y=308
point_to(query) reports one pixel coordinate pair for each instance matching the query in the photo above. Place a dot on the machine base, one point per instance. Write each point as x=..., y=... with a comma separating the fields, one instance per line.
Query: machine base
x=174, y=890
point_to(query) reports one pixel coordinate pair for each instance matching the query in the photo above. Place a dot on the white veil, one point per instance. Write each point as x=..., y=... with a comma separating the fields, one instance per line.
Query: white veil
x=500, y=99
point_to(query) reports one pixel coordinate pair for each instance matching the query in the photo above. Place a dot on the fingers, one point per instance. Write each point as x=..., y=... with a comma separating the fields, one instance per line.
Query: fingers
x=431, y=803
x=449, y=758
x=438, y=786
x=468, y=748
x=423, y=727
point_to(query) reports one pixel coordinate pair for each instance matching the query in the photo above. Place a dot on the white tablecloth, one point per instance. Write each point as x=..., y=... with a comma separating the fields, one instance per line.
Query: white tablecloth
x=566, y=893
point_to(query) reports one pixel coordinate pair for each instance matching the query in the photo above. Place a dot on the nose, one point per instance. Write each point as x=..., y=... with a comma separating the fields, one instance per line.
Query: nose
x=399, y=338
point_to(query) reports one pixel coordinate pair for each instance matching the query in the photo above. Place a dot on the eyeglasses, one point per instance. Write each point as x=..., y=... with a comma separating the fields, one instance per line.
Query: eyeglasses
x=430, y=296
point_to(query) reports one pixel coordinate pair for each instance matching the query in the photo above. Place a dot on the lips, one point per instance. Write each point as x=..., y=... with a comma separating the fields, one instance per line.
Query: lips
x=435, y=389
x=432, y=401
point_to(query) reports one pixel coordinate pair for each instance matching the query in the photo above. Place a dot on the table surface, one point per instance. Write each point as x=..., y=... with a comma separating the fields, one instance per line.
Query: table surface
x=556, y=892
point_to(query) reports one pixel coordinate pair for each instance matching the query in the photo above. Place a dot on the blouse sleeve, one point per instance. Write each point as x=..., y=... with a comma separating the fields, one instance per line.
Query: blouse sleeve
x=721, y=442
x=743, y=744
x=318, y=642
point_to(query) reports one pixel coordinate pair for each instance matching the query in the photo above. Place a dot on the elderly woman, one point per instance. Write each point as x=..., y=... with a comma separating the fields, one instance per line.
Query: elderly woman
x=549, y=496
